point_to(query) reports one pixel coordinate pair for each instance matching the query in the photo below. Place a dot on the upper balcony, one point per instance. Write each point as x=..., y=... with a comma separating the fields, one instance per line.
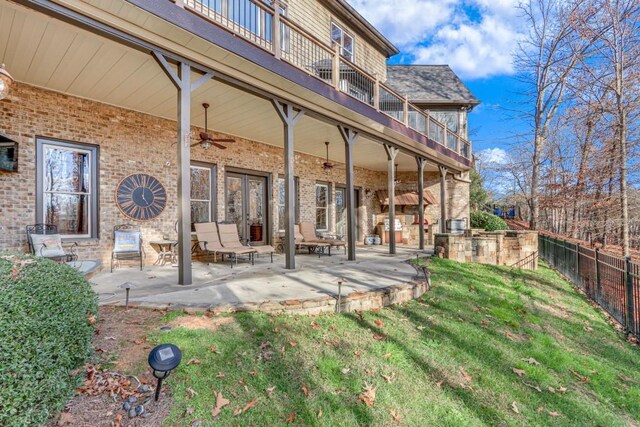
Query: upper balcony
x=257, y=22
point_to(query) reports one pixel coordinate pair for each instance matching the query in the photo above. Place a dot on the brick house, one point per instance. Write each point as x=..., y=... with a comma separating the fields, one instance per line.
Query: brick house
x=108, y=89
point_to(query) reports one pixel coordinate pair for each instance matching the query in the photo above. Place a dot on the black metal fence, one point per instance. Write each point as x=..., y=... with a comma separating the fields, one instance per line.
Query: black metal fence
x=612, y=282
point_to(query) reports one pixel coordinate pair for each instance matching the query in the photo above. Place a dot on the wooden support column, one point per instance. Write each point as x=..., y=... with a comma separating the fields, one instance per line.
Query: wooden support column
x=392, y=153
x=420, y=162
x=289, y=118
x=350, y=137
x=182, y=81
x=443, y=199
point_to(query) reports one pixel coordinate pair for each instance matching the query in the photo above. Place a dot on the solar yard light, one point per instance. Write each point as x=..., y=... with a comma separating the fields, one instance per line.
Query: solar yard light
x=163, y=359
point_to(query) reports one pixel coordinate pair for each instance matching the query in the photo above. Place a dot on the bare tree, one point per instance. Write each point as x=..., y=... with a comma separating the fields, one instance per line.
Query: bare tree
x=544, y=60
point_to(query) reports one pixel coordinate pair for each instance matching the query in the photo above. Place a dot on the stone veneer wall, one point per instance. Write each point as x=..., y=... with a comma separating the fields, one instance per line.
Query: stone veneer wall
x=125, y=148
x=496, y=248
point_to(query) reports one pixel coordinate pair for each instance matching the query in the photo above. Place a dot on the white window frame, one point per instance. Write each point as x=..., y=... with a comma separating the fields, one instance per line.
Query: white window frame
x=352, y=52
x=327, y=186
x=42, y=144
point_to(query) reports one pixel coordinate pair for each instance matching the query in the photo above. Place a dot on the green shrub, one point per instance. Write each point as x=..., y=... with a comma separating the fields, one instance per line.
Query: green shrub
x=488, y=221
x=45, y=333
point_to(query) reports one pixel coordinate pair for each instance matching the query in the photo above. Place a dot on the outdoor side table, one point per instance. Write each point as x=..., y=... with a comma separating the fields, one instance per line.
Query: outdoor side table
x=167, y=251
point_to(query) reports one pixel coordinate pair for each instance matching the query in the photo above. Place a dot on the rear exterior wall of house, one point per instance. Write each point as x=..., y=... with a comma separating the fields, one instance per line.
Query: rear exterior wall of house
x=130, y=142
x=316, y=19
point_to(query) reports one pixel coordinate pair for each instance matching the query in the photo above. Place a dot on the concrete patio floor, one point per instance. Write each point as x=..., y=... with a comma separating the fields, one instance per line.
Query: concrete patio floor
x=218, y=285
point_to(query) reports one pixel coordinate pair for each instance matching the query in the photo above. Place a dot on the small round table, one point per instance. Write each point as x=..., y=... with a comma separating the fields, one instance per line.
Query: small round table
x=166, y=251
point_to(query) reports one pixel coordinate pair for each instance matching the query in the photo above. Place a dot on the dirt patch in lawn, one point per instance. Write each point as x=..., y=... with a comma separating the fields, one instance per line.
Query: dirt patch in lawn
x=118, y=370
x=200, y=322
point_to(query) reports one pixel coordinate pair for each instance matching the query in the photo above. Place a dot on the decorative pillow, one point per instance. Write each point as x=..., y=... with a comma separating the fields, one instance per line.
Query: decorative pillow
x=47, y=245
x=126, y=241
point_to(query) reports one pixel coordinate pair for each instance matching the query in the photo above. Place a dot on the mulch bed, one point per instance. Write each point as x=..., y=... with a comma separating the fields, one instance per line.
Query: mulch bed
x=118, y=371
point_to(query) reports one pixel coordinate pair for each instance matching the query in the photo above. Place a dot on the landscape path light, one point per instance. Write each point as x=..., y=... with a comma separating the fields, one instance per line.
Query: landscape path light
x=163, y=359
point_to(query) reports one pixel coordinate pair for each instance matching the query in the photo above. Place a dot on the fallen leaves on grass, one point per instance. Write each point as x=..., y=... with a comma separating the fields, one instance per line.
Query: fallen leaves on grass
x=518, y=372
x=379, y=323
x=530, y=361
x=248, y=406
x=221, y=402
x=189, y=393
x=378, y=337
x=387, y=355
x=389, y=378
x=270, y=389
x=291, y=418
x=581, y=378
x=368, y=395
x=305, y=390
x=194, y=361
x=319, y=413
x=514, y=407
x=315, y=325
x=265, y=344
x=293, y=343
x=395, y=416
x=626, y=379
x=553, y=413
x=214, y=349
x=466, y=376
x=220, y=375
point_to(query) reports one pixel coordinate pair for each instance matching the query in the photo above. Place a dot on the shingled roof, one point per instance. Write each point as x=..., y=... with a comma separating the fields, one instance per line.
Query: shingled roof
x=429, y=84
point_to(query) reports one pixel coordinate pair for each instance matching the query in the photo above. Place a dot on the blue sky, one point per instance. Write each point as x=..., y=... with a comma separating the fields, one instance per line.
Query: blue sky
x=476, y=38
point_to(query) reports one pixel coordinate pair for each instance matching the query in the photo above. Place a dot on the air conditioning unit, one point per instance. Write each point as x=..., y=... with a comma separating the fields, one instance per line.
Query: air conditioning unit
x=456, y=225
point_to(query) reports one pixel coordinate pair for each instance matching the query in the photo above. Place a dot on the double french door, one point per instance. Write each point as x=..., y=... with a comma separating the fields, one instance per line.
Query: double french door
x=246, y=205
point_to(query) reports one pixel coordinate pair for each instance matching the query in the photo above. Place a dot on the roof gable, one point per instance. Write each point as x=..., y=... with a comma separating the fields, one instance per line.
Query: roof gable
x=429, y=84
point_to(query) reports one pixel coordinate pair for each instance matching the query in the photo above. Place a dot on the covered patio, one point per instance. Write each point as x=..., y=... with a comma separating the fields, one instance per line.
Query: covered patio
x=376, y=278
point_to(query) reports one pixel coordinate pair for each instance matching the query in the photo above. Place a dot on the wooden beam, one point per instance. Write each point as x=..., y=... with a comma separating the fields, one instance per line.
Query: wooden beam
x=182, y=81
x=289, y=119
x=443, y=198
x=392, y=153
x=420, y=161
x=350, y=137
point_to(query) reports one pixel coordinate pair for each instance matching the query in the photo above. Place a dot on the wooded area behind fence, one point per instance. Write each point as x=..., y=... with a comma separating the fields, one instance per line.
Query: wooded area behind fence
x=612, y=282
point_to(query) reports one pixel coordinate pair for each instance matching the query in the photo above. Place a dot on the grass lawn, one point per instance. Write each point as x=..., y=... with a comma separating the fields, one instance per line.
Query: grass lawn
x=486, y=346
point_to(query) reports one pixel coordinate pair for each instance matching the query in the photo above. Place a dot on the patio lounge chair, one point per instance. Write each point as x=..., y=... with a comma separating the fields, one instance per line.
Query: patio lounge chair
x=210, y=242
x=308, y=231
x=45, y=241
x=230, y=238
x=127, y=244
x=313, y=247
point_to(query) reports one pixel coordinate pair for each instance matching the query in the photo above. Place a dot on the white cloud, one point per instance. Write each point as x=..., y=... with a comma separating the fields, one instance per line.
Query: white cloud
x=493, y=156
x=475, y=37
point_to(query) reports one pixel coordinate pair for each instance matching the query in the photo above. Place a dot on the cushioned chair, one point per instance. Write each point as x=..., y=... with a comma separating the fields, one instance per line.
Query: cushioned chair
x=45, y=241
x=313, y=247
x=209, y=242
x=308, y=231
x=127, y=244
x=230, y=238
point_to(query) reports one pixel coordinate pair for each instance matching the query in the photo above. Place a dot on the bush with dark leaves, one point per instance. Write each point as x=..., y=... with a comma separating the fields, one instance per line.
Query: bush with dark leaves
x=47, y=311
x=487, y=221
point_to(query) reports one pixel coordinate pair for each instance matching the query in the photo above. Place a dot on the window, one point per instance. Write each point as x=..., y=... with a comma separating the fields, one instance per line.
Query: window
x=322, y=206
x=281, y=201
x=67, y=187
x=448, y=118
x=344, y=40
x=203, y=195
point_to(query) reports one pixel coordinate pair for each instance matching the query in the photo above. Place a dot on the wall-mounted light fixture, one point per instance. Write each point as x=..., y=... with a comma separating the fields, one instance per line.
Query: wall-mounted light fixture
x=5, y=82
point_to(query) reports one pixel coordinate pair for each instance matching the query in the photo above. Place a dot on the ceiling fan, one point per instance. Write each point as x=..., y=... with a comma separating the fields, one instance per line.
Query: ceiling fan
x=327, y=166
x=206, y=138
